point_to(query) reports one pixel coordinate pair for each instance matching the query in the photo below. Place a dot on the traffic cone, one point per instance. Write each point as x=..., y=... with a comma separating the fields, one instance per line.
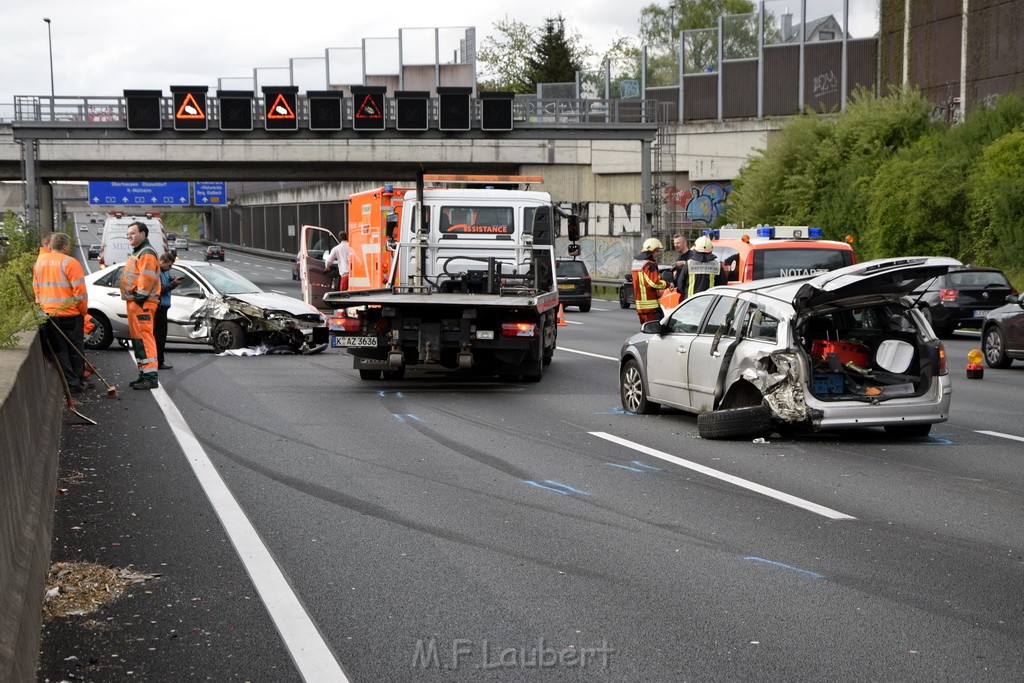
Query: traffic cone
x=561, y=316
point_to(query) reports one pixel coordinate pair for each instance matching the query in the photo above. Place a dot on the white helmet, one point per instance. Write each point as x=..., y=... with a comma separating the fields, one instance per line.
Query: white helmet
x=652, y=243
x=703, y=244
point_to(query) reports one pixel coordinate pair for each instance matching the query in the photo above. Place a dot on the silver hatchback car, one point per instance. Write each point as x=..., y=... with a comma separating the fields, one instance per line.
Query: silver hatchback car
x=838, y=350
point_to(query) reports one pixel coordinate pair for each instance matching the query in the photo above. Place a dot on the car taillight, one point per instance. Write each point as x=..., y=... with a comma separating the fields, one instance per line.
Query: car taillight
x=948, y=294
x=343, y=324
x=518, y=330
x=942, y=360
x=585, y=278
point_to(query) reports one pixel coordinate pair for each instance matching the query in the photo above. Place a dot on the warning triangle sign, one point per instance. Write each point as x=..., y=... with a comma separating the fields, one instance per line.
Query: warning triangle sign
x=280, y=109
x=190, y=109
x=369, y=109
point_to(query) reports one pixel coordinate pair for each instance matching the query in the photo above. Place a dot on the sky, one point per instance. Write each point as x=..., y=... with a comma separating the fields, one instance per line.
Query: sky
x=103, y=47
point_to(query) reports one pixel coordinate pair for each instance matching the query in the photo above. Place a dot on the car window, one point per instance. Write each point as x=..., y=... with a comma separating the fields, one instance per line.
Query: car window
x=687, y=318
x=226, y=281
x=762, y=326
x=570, y=269
x=977, y=279
x=188, y=285
x=720, y=317
x=731, y=257
x=112, y=278
x=798, y=261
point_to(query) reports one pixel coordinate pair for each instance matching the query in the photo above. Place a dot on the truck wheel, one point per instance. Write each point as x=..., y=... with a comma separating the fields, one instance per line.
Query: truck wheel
x=735, y=423
x=534, y=371
x=369, y=375
x=228, y=335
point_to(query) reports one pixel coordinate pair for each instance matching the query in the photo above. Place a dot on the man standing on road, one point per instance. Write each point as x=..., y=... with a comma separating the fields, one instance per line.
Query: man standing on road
x=140, y=288
x=647, y=282
x=340, y=256
x=678, y=268
x=702, y=270
x=59, y=284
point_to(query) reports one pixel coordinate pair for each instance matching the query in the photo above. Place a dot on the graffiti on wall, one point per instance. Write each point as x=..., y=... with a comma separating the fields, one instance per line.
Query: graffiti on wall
x=702, y=204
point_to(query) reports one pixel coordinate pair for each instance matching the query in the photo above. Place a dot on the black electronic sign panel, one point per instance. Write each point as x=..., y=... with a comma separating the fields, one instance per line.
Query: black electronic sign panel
x=368, y=107
x=235, y=109
x=453, y=111
x=190, y=112
x=143, y=109
x=324, y=109
x=281, y=110
x=411, y=109
x=496, y=110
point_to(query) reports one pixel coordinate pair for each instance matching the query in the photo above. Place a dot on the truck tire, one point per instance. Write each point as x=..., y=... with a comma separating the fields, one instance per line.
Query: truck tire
x=736, y=423
x=533, y=371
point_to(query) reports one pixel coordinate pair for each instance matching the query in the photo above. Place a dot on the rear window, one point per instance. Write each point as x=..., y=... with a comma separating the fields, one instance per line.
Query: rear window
x=570, y=269
x=797, y=261
x=977, y=279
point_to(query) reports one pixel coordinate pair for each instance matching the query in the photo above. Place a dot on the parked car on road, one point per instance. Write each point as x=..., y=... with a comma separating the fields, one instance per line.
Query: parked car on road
x=837, y=350
x=574, y=287
x=1002, y=333
x=627, y=297
x=214, y=251
x=212, y=305
x=962, y=297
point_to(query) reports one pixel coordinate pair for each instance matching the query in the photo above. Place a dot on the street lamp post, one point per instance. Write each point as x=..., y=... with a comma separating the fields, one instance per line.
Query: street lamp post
x=49, y=37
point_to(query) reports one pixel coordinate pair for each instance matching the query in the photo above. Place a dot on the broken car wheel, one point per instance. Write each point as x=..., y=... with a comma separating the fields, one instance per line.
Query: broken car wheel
x=228, y=336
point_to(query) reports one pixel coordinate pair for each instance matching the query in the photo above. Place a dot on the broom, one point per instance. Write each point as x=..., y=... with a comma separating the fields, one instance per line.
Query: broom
x=111, y=389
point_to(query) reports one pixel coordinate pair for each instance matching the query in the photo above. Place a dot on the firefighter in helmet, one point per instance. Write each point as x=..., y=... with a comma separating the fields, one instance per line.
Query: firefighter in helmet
x=647, y=282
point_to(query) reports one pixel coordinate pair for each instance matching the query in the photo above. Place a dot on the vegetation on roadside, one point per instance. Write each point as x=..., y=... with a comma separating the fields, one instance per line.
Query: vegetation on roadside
x=17, y=256
x=897, y=181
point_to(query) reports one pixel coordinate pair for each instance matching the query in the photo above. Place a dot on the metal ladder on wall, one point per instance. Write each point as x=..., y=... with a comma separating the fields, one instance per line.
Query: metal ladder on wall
x=666, y=219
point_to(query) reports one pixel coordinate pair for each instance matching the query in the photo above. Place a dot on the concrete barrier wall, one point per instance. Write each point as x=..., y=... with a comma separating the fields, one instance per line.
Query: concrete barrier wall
x=31, y=408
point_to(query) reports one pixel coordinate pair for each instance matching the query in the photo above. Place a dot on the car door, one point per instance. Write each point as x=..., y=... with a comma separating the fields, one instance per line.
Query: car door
x=314, y=245
x=707, y=350
x=667, y=353
x=186, y=300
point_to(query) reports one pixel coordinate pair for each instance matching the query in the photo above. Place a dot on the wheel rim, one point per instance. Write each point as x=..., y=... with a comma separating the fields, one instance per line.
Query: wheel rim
x=993, y=346
x=632, y=388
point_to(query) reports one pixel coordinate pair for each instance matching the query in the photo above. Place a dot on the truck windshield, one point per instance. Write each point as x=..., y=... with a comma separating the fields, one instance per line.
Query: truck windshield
x=797, y=261
x=476, y=220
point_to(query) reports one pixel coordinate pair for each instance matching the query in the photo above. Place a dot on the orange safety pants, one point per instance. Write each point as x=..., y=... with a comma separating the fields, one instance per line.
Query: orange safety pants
x=140, y=328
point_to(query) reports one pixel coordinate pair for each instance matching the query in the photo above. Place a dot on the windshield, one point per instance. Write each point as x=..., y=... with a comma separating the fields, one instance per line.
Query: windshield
x=798, y=261
x=226, y=281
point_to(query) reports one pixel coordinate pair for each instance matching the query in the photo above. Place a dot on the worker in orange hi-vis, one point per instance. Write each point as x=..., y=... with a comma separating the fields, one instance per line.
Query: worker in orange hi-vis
x=59, y=284
x=140, y=288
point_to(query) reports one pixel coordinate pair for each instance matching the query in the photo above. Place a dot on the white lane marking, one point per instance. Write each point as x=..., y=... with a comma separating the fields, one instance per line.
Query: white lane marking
x=301, y=636
x=586, y=353
x=1000, y=435
x=573, y=322
x=737, y=481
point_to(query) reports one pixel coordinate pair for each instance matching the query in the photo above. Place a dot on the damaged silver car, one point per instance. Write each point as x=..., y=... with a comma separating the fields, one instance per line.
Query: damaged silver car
x=838, y=350
x=212, y=305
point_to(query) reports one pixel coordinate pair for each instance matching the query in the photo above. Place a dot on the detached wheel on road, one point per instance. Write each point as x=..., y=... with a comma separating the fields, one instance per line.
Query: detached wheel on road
x=102, y=335
x=228, y=335
x=993, y=347
x=631, y=390
x=735, y=423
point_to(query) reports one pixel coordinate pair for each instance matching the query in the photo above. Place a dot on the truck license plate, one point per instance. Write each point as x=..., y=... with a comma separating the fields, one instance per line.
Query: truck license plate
x=349, y=342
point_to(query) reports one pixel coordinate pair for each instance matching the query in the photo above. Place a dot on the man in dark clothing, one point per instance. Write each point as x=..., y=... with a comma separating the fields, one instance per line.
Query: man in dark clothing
x=679, y=242
x=702, y=270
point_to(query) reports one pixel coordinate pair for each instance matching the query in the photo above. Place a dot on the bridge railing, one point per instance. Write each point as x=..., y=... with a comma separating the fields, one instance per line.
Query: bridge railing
x=526, y=111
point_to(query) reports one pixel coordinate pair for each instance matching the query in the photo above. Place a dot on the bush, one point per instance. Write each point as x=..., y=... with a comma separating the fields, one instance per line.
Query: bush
x=17, y=256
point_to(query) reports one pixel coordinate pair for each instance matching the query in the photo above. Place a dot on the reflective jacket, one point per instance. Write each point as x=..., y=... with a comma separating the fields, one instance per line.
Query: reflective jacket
x=59, y=284
x=702, y=271
x=647, y=282
x=141, y=275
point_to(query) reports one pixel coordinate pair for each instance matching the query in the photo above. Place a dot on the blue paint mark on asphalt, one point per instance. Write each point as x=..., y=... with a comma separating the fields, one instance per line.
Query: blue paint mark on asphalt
x=617, y=410
x=547, y=488
x=384, y=392
x=400, y=418
x=623, y=467
x=413, y=417
x=566, y=486
x=940, y=442
x=813, y=575
x=563, y=489
x=645, y=466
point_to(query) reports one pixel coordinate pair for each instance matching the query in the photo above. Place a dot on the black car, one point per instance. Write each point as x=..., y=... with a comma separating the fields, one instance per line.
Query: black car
x=626, y=296
x=573, y=280
x=962, y=297
x=94, y=251
x=1002, y=333
x=214, y=251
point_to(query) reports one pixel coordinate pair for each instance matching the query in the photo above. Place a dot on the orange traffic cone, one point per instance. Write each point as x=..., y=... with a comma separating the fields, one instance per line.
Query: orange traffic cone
x=561, y=316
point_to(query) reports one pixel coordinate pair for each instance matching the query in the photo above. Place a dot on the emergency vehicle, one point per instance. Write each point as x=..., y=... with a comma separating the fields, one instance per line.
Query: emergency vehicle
x=778, y=251
x=115, y=248
x=442, y=276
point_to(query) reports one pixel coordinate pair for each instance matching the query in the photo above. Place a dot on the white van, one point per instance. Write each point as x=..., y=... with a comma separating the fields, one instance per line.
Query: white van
x=115, y=248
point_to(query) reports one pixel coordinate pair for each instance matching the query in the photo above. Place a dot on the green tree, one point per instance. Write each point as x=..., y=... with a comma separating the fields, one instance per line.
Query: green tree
x=996, y=200
x=554, y=60
x=517, y=57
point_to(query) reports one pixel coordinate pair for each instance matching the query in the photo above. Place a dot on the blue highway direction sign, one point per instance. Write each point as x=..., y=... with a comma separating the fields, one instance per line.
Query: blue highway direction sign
x=210, y=193
x=133, y=192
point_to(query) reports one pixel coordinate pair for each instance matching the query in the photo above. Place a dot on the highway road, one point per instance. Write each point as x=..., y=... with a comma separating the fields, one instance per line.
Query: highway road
x=306, y=524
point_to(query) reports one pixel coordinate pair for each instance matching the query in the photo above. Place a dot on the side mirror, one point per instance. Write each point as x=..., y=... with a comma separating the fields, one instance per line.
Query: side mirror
x=1019, y=299
x=653, y=327
x=573, y=222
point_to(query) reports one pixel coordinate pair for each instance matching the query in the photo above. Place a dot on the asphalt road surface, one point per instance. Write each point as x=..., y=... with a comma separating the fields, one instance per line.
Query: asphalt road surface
x=306, y=524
